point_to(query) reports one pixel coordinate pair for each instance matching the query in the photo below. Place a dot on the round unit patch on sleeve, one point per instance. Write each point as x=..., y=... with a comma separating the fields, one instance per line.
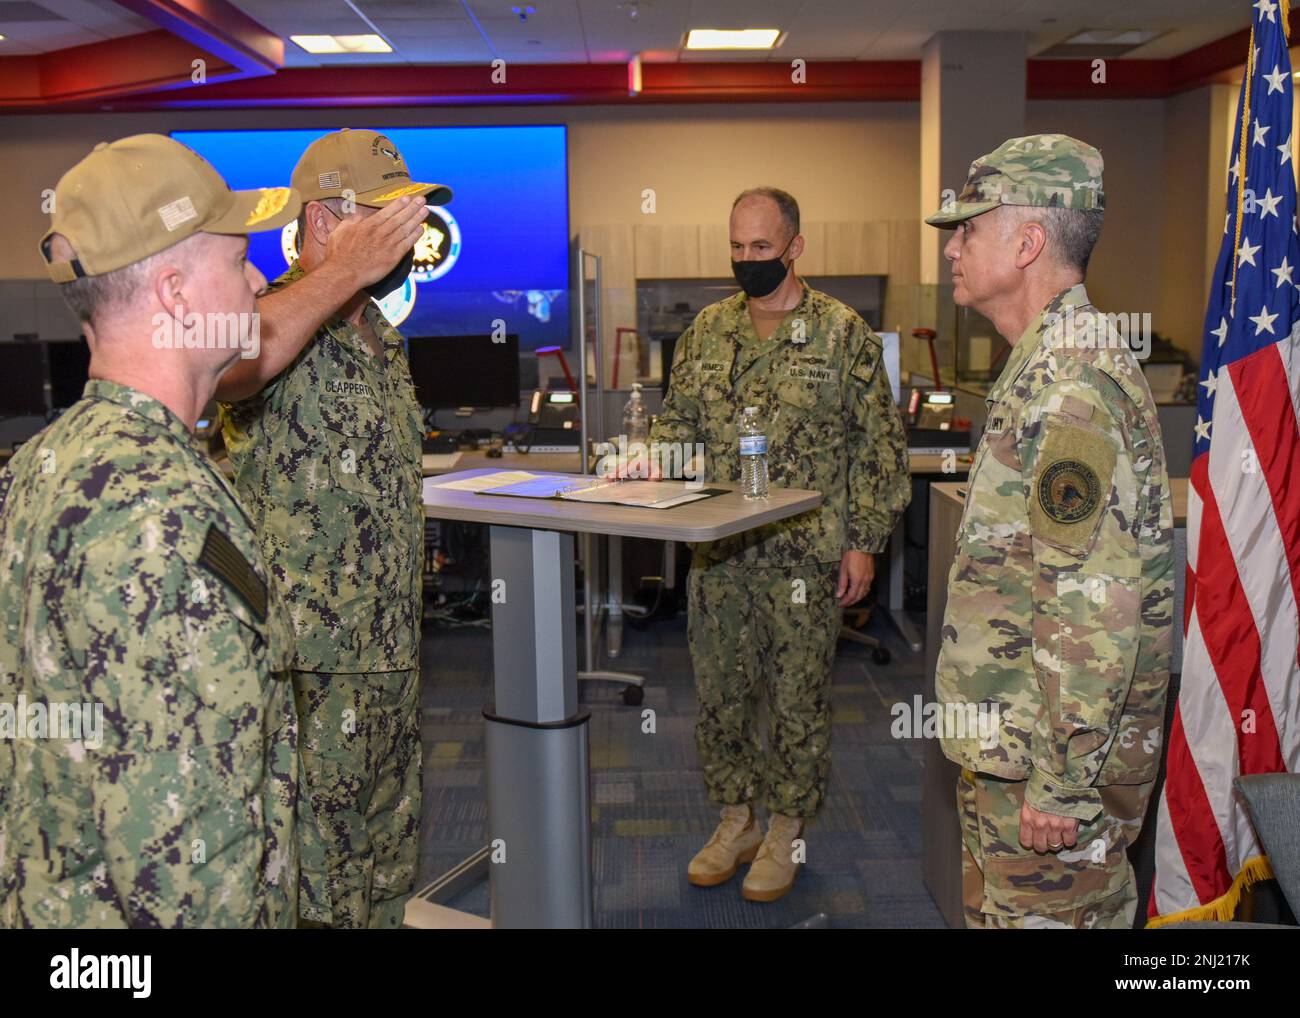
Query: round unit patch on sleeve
x=1074, y=471
x=1068, y=491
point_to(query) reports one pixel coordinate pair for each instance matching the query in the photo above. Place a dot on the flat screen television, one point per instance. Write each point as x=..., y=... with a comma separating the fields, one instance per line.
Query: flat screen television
x=460, y=371
x=498, y=250
x=22, y=382
x=69, y=370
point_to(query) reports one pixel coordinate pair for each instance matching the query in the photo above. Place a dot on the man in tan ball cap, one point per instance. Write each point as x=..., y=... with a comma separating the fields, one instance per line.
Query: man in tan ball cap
x=134, y=588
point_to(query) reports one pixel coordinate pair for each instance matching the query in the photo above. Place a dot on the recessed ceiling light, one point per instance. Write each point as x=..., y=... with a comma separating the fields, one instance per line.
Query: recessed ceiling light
x=1100, y=42
x=1113, y=37
x=729, y=38
x=342, y=43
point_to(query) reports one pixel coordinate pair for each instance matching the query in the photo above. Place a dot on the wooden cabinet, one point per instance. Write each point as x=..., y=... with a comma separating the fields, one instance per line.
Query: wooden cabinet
x=667, y=252
x=703, y=251
x=940, y=828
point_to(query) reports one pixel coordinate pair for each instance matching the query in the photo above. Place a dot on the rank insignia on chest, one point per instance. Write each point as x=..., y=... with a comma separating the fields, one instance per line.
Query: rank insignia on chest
x=1069, y=491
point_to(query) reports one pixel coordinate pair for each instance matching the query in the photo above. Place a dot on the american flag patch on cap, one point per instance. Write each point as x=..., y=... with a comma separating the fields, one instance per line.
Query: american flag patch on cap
x=330, y=180
x=174, y=213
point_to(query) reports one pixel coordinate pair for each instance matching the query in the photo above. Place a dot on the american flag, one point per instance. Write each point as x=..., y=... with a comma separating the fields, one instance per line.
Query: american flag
x=1238, y=708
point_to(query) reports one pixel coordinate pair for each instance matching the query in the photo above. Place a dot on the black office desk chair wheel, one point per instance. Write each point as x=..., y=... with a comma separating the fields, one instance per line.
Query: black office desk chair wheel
x=858, y=617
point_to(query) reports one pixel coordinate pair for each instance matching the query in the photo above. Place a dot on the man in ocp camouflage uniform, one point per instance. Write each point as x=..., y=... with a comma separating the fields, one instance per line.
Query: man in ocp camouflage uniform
x=327, y=458
x=1059, y=618
x=134, y=585
x=765, y=605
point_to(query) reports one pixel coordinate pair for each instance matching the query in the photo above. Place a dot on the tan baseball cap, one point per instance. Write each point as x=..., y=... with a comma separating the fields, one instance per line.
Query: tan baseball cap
x=364, y=163
x=134, y=197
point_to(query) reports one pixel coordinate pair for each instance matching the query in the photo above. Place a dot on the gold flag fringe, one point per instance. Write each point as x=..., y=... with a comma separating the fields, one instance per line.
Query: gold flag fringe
x=1224, y=907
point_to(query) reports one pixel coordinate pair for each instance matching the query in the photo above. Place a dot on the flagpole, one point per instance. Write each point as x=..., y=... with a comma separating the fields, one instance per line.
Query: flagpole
x=1243, y=146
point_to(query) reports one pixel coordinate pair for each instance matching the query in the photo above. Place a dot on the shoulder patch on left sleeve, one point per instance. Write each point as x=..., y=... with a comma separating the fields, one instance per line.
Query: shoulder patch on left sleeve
x=1072, y=482
x=1068, y=491
x=221, y=557
x=864, y=368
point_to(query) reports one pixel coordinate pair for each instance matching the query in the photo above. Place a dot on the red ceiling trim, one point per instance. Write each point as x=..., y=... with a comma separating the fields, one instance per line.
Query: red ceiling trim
x=1218, y=60
x=606, y=84
x=218, y=27
x=20, y=81
x=152, y=72
x=1113, y=79
x=229, y=42
x=552, y=83
x=99, y=71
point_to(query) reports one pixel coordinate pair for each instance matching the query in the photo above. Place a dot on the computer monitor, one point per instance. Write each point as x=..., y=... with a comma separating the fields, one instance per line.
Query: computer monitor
x=69, y=369
x=667, y=350
x=22, y=382
x=456, y=371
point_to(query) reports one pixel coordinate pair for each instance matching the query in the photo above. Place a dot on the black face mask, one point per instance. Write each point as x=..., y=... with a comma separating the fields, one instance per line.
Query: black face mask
x=759, y=278
x=381, y=288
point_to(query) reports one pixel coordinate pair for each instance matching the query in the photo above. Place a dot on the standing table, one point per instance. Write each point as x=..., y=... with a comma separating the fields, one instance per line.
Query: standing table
x=539, y=813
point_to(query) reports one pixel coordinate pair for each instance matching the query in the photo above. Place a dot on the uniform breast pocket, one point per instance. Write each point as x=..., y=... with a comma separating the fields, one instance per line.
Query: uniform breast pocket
x=411, y=440
x=713, y=388
x=808, y=410
x=412, y=443
x=809, y=394
x=356, y=433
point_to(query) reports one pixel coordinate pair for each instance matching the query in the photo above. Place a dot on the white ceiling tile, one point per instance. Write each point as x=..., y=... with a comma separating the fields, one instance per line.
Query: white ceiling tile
x=603, y=30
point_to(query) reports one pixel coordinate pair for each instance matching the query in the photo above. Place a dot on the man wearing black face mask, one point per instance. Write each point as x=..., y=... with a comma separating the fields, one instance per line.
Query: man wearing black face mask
x=327, y=461
x=765, y=605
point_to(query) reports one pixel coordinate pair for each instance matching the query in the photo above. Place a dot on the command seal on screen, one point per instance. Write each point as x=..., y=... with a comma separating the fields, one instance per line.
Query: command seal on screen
x=438, y=247
x=397, y=305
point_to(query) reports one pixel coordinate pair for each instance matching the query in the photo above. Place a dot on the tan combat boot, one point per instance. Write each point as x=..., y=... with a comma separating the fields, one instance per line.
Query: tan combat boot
x=773, y=872
x=735, y=841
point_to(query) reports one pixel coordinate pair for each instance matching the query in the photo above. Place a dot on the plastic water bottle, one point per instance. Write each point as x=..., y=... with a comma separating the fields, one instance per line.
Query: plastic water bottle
x=636, y=422
x=636, y=436
x=753, y=455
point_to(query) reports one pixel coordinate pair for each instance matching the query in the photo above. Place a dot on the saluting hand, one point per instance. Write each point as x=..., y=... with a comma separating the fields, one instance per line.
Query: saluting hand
x=374, y=244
